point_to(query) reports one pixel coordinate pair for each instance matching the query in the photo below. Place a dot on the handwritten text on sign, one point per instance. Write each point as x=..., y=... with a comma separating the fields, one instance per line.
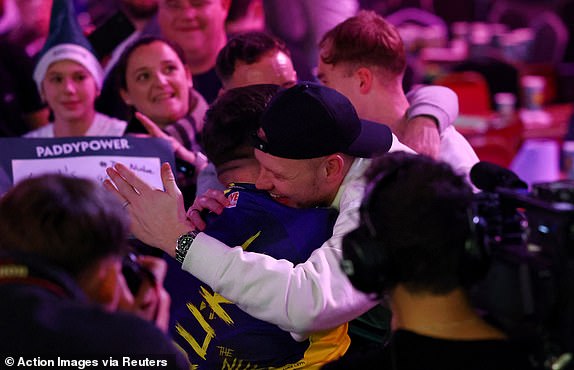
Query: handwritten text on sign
x=87, y=157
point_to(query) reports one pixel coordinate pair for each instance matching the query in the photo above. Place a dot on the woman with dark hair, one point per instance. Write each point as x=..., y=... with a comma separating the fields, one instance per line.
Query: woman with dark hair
x=155, y=81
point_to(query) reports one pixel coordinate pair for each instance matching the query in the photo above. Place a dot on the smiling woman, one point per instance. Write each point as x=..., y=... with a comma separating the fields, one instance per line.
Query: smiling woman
x=155, y=81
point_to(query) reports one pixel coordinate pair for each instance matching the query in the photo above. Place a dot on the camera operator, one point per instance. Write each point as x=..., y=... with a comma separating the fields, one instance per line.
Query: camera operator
x=62, y=242
x=414, y=244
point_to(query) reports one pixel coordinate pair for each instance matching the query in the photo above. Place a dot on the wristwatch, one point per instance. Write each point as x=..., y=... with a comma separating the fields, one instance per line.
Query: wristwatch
x=183, y=244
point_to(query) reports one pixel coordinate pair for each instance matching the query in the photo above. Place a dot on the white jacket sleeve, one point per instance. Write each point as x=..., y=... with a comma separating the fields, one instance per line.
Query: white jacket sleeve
x=436, y=101
x=314, y=295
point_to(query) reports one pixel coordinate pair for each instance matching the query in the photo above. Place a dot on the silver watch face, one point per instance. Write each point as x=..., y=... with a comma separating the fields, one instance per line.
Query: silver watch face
x=184, y=239
x=183, y=244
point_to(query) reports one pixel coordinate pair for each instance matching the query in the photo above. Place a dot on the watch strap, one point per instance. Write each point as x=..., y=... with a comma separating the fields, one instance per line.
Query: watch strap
x=183, y=244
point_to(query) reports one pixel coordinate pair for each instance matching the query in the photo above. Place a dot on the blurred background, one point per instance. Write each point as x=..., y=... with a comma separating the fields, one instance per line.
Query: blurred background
x=511, y=62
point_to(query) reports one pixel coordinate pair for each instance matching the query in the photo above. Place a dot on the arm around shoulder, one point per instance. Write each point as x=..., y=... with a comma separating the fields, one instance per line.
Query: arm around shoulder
x=438, y=102
x=311, y=296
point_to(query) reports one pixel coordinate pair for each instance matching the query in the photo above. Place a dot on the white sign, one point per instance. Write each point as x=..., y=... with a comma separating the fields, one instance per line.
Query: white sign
x=86, y=157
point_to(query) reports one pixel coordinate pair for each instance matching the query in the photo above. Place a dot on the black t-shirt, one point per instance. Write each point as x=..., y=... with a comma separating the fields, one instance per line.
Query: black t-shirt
x=207, y=84
x=44, y=312
x=410, y=351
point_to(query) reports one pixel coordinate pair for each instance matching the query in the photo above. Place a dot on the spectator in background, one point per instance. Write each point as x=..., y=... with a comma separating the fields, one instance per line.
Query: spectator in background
x=134, y=19
x=155, y=80
x=260, y=224
x=113, y=33
x=414, y=243
x=21, y=108
x=69, y=77
x=9, y=16
x=364, y=59
x=301, y=23
x=34, y=26
x=198, y=27
x=245, y=16
x=62, y=241
x=139, y=12
x=255, y=58
x=247, y=59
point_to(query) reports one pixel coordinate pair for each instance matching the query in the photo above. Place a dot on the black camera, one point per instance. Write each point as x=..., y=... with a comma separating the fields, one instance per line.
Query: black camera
x=529, y=289
x=134, y=273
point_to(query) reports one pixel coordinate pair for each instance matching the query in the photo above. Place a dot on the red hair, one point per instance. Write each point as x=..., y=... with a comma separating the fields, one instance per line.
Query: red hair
x=365, y=39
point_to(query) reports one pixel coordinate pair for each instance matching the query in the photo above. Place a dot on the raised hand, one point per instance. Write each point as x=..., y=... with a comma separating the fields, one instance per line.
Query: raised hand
x=179, y=150
x=158, y=217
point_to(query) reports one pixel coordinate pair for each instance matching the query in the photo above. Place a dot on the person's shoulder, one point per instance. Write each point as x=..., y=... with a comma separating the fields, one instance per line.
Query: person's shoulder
x=248, y=196
x=374, y=358
x=104, y=118
x=113, y=332
x=58, y=324
x=494, y=354
x=457, y=151
x=46, y=131
x=127, y=334
x=248, y=202
x=107, y=126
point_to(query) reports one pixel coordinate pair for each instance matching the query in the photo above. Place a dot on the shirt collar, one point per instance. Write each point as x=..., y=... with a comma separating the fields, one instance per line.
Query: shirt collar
x=355, y=172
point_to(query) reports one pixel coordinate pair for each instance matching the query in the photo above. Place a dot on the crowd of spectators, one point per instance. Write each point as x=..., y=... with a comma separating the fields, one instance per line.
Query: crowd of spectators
x=317, y=214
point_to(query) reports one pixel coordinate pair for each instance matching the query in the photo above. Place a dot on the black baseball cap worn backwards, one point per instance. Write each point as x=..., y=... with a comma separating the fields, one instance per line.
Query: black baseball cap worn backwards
x=309, y=120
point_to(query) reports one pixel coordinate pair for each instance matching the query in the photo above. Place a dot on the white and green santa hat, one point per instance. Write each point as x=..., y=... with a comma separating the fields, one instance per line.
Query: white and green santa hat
x=66, y=41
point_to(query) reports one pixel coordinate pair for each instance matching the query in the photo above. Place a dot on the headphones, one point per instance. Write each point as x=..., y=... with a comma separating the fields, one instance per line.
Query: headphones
x=365, y=258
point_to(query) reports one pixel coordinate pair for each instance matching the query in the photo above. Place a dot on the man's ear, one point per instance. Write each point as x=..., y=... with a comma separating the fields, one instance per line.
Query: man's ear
x=365, y=76
x=334, y=168
x=100, y=282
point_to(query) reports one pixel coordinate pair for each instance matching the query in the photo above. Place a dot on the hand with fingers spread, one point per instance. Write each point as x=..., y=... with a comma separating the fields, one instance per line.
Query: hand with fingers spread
x=212, y=200
x=158, y=217
x=180, y=151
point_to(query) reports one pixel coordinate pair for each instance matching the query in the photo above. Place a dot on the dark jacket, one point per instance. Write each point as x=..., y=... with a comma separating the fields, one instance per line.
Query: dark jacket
x=43, y=312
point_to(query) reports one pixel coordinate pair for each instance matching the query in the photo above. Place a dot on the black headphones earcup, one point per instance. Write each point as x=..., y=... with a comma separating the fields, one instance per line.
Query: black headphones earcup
x=364, y=261
x=367, y=265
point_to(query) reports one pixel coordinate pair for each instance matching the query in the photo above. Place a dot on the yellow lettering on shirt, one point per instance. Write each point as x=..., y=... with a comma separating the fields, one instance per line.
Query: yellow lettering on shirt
x=214, y=301
x=201, y=350
x=248, y=242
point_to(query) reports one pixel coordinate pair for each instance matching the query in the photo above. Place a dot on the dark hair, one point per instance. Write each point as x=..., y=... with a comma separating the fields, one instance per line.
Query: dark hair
x=120, y=70
x=248, y=48
x=365, y=39
x=419, y=211
x=231, y=121
x=69, y=222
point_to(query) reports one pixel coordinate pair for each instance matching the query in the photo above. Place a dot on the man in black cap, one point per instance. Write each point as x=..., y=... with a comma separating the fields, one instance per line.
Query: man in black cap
x=313, y=149
x=259, y=224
